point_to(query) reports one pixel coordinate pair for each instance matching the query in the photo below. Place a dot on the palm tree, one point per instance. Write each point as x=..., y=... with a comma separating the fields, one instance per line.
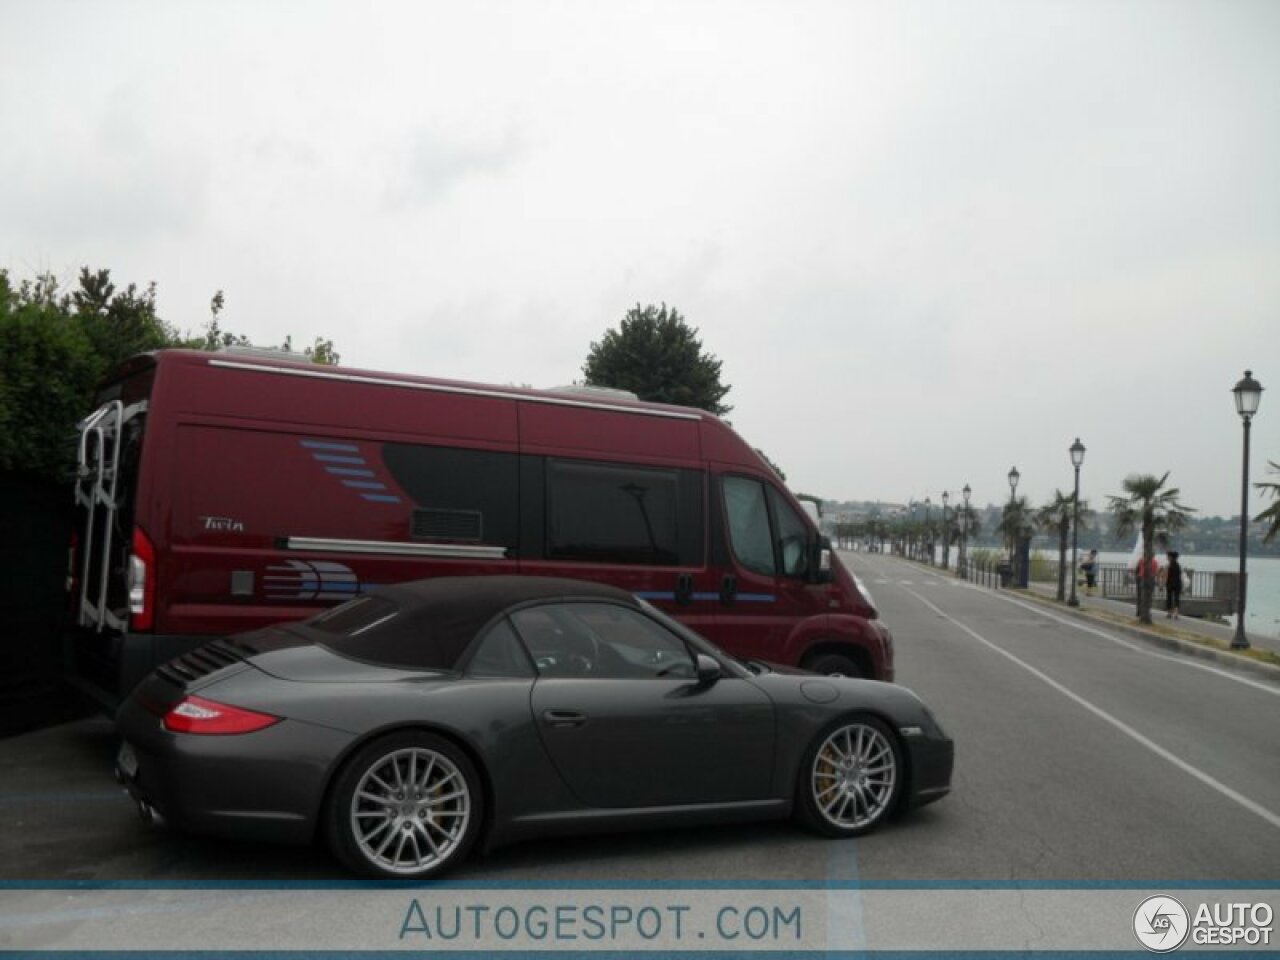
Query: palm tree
x=1148, y=507
x=1272, y=513
x=1056, y=515
x=1015, y=523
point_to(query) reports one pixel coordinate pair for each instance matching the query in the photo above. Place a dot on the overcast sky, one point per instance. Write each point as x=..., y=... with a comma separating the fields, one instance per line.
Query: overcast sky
x=928, y=241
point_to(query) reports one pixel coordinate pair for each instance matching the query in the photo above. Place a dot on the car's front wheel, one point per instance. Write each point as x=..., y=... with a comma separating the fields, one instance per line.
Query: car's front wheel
x=851, y=778
x=406, y=806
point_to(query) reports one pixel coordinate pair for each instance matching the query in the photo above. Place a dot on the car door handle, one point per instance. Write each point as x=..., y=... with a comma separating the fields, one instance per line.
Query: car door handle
x=564, y=718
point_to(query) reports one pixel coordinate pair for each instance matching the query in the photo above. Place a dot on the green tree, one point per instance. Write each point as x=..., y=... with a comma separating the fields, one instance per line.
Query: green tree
x=48, y=369
x=656, y=355
x=1055, y=516
x=56, y=347
x=1015, y=524
x=1147, y=506
x=1272, y=513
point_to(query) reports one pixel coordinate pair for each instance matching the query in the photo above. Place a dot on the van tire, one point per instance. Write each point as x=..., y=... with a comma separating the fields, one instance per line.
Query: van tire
x=834, y=665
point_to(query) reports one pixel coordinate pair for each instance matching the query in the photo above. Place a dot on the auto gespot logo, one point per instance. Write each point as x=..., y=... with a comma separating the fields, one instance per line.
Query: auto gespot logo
x=1162, y=924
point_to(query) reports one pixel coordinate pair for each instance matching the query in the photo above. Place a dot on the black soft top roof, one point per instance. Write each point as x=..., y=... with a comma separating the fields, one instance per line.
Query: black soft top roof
x=436, y=619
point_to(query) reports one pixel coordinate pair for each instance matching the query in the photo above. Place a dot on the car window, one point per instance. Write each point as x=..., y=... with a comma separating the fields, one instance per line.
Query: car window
x=499, y=654
x=793, y=536
x=601, y=641
x=748, y=516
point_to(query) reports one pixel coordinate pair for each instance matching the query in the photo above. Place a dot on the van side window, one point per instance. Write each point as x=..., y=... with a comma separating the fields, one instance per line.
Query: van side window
x=793, y=536
x=748, y=516
x=459, y=495
x=619, y=513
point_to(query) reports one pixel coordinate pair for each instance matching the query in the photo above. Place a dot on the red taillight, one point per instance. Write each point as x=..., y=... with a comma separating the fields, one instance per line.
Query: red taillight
x=198, y=715
x=142, y=582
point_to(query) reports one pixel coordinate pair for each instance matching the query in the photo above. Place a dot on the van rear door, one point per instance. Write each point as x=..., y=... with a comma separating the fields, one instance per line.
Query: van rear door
x=109, y=578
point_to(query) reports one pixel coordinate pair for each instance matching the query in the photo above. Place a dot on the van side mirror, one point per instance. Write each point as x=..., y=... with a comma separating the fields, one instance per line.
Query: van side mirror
x=820, y=561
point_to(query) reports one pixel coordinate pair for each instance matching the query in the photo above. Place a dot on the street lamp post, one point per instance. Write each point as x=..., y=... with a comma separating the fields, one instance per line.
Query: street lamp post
x=1248, y=395
x=1014, y=476
x=928, y=530
x=962, y=562
x=1077, y=458
x=946, y=532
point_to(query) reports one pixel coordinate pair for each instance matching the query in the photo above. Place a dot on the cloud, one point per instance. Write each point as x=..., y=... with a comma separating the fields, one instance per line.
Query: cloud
x=434, y=163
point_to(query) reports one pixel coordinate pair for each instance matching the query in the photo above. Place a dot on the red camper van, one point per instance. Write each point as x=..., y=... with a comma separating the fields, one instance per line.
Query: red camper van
x=220, y=492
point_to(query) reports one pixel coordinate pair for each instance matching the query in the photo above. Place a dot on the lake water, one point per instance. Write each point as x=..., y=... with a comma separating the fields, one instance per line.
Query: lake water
x=1262, y=601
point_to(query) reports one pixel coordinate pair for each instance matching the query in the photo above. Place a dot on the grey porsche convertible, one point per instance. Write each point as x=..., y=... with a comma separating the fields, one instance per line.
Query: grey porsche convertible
x=415, y=721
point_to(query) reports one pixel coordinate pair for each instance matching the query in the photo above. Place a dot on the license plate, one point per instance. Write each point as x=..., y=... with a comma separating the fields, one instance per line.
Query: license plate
x=127, y=761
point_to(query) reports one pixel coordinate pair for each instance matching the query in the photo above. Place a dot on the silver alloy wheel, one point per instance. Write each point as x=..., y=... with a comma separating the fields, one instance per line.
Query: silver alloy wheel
x=854, y=774
x=410, y=810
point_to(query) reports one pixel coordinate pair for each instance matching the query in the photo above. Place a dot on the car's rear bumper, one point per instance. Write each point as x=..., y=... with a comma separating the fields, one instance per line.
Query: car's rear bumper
x=266, y=785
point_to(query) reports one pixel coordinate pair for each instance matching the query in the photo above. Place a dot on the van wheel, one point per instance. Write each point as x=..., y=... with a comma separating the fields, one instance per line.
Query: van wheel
x=407, y=806
x=834, y=665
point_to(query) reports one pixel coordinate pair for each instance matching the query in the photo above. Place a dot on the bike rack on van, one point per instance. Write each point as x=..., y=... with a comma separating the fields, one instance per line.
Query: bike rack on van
x=97, y=476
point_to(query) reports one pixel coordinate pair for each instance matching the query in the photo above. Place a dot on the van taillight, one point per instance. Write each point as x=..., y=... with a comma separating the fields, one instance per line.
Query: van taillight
x=142, y=582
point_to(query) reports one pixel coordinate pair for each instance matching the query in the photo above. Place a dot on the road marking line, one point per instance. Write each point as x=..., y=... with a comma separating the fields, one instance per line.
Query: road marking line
x=1186, y=660
x=1206, y=779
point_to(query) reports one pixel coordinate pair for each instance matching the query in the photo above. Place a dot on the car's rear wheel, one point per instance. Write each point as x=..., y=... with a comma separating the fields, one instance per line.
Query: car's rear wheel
x=406, y=806
x=851, y=778
x=833, y=665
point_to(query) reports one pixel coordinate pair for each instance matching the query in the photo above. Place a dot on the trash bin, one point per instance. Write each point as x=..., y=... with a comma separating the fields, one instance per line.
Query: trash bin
x=1006, y=574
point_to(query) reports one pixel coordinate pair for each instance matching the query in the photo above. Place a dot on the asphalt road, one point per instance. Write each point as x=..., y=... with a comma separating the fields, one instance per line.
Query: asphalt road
x=1081, y=756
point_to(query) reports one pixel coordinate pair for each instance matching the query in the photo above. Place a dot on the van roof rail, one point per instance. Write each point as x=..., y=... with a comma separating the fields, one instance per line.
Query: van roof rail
x=263, y=353
x=593, y=391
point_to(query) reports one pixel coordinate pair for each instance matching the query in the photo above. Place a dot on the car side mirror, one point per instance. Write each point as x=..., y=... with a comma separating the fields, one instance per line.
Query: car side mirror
x=707, y=669
x=820, y=561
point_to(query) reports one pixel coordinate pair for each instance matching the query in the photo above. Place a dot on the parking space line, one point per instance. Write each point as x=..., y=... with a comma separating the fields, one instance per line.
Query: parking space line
x=1209, y=781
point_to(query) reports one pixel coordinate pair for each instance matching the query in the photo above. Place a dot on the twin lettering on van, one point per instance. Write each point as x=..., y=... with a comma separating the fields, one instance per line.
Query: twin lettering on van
x=223, y=524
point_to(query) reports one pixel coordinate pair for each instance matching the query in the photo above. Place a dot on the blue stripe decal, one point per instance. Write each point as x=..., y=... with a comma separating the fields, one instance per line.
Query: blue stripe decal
x=364, y=484
x=325, y=445
x=349, y=472
x=380, y=498
x=744, y=597
x=335, y=458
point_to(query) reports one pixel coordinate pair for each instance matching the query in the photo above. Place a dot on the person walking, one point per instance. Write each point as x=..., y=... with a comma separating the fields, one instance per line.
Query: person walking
x=1089, y=567
x=1172, y=574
